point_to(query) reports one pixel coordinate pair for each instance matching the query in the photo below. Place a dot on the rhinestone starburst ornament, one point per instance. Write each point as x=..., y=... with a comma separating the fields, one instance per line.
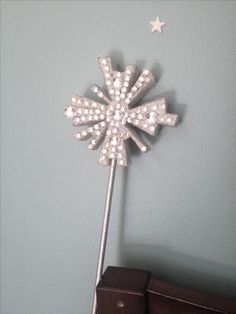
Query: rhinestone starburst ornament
x=112, y=123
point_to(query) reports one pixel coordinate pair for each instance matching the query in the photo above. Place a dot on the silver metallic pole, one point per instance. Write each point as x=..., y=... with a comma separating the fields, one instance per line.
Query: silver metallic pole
x=103, y=241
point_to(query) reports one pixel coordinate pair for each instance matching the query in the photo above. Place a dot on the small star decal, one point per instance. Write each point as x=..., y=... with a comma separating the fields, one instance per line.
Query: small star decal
x=157, y=25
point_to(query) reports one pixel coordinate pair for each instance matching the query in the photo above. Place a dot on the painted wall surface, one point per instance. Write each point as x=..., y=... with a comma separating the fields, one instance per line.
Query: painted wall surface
x=174, y=208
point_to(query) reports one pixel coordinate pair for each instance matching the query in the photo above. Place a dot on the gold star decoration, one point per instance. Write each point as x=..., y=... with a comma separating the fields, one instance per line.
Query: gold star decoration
x=157, y=25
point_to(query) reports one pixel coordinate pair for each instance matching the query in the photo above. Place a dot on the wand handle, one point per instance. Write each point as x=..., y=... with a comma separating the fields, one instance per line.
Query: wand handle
x=103, y=241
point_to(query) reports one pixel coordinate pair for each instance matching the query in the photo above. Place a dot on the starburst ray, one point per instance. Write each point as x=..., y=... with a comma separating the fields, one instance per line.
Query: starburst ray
x=105, y=65
x=145, y=81
x=85, y=111
x=149, y=116
x=118, y=83
x=98, y=91
x=107, y=71
x=131, y=73
x=113, y=148
x=144, y=147
x=122, y=83
x=97, y=132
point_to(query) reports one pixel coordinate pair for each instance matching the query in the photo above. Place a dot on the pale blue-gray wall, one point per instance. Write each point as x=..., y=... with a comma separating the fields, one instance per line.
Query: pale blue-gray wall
x=174, y=208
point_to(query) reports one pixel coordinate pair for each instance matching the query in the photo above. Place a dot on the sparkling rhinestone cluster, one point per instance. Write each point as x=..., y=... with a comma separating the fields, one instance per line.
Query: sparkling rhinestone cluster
x=111, y=123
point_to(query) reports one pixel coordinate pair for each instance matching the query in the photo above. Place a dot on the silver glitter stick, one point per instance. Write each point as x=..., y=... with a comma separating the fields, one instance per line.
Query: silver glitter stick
x=111, y=124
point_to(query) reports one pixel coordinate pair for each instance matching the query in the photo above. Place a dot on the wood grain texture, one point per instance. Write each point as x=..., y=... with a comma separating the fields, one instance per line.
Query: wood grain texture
x=132, y=291
x=165, y=298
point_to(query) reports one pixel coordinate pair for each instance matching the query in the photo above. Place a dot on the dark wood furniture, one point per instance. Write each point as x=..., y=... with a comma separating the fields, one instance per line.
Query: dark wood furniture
x=131, y=291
